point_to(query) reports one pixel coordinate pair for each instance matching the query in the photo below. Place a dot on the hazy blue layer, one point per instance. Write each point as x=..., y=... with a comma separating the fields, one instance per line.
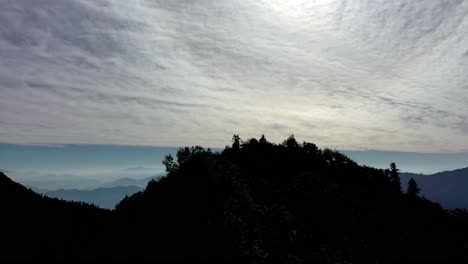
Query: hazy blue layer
x=79, y=166
x=426, y=163
x=89, y=166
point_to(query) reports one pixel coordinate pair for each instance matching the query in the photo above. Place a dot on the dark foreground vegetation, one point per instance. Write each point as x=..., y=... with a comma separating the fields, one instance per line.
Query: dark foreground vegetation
x=255, y=202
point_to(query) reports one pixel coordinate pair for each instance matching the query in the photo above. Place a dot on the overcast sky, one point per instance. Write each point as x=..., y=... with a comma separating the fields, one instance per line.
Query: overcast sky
x=357, y=74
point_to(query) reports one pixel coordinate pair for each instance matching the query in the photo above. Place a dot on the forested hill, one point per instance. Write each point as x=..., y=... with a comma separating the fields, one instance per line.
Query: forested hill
x=254, y=202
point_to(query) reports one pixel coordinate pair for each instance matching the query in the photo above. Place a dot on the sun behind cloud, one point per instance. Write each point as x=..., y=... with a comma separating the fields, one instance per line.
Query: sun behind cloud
x=386, y=75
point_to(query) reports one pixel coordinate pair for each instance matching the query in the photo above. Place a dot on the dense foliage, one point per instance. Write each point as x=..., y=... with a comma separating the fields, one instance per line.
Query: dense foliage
x=254, y=202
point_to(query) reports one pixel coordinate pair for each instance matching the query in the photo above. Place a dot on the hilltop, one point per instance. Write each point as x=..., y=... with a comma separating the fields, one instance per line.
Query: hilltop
x=253, y=202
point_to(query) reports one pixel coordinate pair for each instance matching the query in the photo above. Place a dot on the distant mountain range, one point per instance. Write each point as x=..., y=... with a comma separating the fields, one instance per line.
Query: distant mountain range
x=448, y=188
x=102, y=197
x=106, y=196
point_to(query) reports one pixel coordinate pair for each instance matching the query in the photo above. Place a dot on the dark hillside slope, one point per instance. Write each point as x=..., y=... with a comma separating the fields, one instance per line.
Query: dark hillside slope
x=36, y=227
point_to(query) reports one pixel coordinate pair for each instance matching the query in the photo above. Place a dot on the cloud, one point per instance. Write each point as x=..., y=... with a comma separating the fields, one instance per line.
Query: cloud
x=140, y=168
x=351, y=74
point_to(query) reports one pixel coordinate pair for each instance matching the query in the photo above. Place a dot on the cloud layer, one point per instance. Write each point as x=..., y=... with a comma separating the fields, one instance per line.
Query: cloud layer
x=370, y=74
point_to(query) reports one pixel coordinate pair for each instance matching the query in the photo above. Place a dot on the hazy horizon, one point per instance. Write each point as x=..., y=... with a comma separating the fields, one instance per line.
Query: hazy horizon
x=89, y=166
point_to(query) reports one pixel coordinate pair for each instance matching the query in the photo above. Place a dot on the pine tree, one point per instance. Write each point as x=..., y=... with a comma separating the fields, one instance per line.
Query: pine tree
x=413, y=189
x=236, y=142
x=394, y=177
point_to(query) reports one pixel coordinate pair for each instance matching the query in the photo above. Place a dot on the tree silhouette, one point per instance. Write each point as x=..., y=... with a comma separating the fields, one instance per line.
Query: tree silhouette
x=394, y=177
x=290, y=142
x=169, y=163
x=236, y=142
x=413, y=189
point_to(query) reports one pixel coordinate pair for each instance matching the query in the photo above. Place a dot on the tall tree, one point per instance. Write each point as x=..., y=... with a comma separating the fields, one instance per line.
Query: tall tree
x=413, y=189
x=236, y=142
x=394, y=177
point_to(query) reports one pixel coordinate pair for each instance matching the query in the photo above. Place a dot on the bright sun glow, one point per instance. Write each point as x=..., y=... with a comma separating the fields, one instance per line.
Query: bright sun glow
x=306, y=12
x=300, y=8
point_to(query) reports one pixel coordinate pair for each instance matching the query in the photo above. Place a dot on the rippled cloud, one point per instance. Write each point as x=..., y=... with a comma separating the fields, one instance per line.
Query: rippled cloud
x=370, y=74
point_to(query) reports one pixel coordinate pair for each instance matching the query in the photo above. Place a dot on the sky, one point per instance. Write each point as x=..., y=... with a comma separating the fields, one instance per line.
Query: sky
x=354, y=75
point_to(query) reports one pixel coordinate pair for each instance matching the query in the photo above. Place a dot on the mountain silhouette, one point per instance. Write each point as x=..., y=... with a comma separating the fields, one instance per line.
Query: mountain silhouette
x=447, y=187
x=253, y=202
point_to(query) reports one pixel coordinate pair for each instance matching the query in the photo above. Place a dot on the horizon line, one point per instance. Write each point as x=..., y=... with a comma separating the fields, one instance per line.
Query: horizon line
x=61, y=145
